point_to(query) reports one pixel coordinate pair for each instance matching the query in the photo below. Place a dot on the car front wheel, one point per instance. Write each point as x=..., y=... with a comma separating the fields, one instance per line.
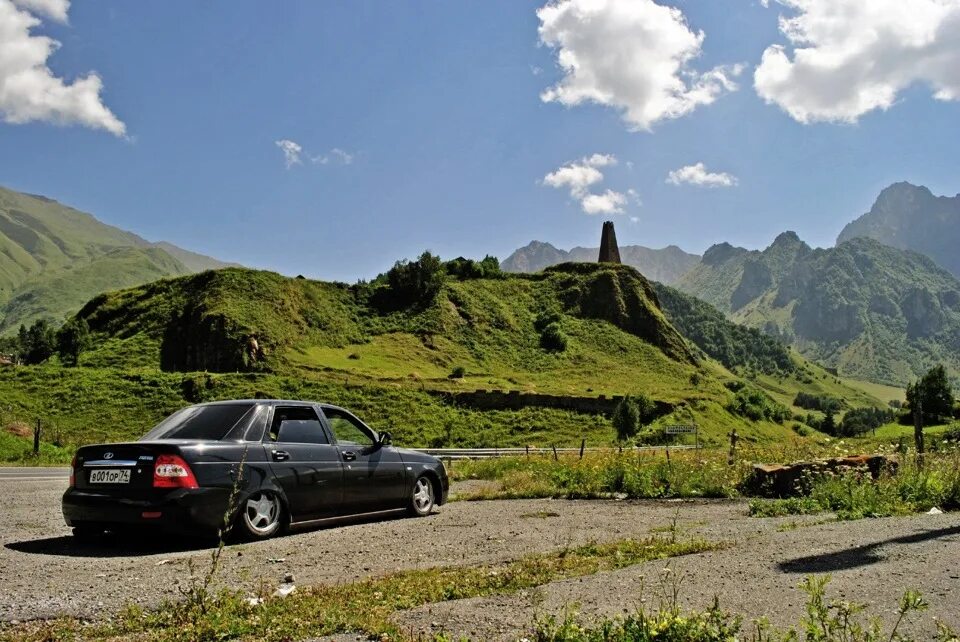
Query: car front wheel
x=422, y=499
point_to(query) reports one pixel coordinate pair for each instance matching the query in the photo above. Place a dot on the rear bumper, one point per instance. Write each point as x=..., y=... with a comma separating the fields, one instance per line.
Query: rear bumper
x=195, y=511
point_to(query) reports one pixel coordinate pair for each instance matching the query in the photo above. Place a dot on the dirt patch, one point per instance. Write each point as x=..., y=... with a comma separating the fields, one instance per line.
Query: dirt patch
x=19, y=429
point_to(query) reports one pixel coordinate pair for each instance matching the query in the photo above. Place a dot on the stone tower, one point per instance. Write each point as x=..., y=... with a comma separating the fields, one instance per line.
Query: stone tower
x=609, y=252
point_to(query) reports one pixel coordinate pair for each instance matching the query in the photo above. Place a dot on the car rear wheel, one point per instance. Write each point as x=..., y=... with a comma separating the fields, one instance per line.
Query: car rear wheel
x=262, y=515
x=422, y=499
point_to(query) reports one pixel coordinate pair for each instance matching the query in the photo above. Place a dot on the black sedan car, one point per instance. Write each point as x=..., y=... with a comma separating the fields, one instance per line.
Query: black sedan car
x=296, y=462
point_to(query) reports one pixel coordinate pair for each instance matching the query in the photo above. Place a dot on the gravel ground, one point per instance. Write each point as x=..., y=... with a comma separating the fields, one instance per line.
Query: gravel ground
x=45, y=574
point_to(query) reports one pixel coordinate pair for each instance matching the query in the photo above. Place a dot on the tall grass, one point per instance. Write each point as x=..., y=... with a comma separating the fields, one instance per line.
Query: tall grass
x=633, y=474
x=854, y=494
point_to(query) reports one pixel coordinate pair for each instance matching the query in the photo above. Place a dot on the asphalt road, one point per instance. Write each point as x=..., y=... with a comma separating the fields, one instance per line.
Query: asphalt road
x=11, y=474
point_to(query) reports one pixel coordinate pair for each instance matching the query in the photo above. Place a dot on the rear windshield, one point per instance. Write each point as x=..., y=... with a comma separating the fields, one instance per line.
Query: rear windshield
x=200, y=422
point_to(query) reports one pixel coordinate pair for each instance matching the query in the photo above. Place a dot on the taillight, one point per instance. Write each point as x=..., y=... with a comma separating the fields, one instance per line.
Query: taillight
x=73, y=471
x=171, y=471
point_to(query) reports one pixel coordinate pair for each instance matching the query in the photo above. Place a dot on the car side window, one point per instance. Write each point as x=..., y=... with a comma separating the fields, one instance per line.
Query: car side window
x=347, y=429
x=297, y=425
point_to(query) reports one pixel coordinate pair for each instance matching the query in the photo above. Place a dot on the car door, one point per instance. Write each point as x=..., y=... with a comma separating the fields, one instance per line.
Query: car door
x=304, y=462
x=374, y=476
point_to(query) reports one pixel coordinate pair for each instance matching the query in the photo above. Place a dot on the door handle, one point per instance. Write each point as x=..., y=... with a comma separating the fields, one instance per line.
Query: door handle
x=349, y=456
x=280, y=455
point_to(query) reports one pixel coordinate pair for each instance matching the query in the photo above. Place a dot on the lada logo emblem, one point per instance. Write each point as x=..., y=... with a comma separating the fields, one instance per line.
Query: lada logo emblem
x=108, y=455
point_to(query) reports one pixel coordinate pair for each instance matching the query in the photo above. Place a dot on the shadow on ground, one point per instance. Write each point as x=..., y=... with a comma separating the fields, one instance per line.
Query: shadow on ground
x=860, y=555
x=134, y=543
x=108, y=546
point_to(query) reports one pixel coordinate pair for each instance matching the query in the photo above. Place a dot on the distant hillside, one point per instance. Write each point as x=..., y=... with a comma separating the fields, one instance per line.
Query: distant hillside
x=869, y=310
x=194, y=262
x=735, y=346
x=53, y=258
x=910, y=217
x=665, y=265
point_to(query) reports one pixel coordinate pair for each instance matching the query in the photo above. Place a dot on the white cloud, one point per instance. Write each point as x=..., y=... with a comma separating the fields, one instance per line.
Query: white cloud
x=698, y=175
x=291, y=151
x=294, y=151
x=53, y=9
x=336, y=155
x=28, y=89
x=633, y=55
x=609, y=202
x=579, y=176
x=850, y=57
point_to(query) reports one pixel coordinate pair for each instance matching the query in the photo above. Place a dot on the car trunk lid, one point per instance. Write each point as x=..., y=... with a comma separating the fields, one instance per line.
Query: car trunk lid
x=118, y=468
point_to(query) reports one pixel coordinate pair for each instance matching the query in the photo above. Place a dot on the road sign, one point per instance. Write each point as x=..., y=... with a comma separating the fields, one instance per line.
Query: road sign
x=680, y=430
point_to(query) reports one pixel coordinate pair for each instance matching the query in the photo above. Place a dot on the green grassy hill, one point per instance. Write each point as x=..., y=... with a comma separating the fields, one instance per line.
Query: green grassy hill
x=870, y=311
x=182, y=340
x=53, y=258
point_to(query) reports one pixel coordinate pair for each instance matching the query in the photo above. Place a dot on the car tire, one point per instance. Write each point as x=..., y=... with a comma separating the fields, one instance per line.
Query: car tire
x=422, y=499
x=261, y=516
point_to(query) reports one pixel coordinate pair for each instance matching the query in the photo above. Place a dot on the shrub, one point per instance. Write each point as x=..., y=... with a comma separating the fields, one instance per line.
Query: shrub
x=416, y=282
x=646, y=407
x=861, y=420
x=822, y=403
x=552, y=338
x=36, y=343
x=546, y=318
x=934, y=393
x=735, y=386
x=626, y=418
x=72, y=339
x=754, y=405
x=464, y=269
x=458, y=373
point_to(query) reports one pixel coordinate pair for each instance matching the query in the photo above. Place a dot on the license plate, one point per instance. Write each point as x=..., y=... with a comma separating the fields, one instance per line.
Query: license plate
x=110, y=476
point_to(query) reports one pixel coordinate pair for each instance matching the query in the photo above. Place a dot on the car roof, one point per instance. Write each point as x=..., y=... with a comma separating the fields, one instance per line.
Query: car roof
x=273, y=402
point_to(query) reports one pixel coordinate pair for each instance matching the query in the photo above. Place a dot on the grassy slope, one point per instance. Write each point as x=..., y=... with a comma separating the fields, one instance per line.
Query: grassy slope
x=53, y=258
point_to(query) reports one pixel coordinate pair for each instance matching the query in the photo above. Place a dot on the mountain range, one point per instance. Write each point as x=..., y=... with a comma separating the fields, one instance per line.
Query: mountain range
x=54, y=258
x=910, y=217
x=869, y=310
x=665, y=265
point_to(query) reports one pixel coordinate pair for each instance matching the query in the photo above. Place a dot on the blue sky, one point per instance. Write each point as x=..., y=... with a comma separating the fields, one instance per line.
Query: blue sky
x=438, y=107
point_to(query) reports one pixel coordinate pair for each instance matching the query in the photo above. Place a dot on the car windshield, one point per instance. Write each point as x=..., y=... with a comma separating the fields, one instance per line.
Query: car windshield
x=200, y=422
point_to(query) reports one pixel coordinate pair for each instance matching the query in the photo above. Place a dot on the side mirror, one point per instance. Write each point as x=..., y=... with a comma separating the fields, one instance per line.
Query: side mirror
x=386, y=439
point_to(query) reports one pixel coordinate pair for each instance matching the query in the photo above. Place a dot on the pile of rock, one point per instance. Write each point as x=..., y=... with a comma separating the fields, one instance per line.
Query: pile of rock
x=788, y=480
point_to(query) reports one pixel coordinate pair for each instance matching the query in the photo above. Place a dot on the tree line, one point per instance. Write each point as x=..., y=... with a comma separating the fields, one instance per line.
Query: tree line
x=41, y=341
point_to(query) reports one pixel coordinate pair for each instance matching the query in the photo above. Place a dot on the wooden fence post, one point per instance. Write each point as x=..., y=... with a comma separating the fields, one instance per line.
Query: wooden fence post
x=36, y=439
x=731, y=459
x=918, y=430
x=555, y=456
x=583, y=445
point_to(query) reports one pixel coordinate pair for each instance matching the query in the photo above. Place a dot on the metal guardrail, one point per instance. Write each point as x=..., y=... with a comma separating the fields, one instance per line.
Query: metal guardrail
x=490, y=453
